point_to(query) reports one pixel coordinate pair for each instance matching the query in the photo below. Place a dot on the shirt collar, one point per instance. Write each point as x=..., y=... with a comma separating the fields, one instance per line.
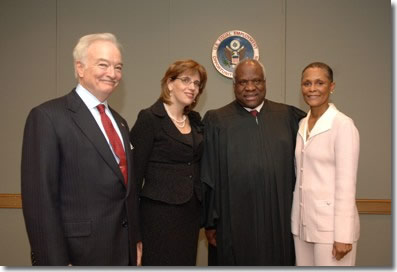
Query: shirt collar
x=258, y=108
x=324, y=123
x=88, y=98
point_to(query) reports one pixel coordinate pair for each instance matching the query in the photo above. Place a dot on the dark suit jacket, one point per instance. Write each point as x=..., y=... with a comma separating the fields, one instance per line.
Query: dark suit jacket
x=165, y=161
x=76, y=206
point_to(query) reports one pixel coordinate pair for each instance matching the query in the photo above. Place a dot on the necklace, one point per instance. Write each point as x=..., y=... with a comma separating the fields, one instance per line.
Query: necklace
x=178, y=123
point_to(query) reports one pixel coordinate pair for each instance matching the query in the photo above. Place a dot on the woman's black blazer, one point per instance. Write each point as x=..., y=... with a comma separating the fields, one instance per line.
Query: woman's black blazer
x=167, y=165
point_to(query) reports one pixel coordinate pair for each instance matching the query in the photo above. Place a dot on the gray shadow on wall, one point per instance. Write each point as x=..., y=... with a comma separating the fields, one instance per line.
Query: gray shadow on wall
x=200, y=105
x=117, y=99
x=302, y=104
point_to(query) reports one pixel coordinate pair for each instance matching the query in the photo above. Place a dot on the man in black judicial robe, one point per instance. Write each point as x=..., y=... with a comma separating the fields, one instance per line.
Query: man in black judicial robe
x=248, y=175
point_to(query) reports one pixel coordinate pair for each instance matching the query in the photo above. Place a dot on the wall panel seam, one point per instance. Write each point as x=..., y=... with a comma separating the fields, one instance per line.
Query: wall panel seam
x=364, y=206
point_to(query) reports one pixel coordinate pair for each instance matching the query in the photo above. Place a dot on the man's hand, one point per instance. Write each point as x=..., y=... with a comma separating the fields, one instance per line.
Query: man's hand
x=340, y=250
x=139, y=253
x=211, y=236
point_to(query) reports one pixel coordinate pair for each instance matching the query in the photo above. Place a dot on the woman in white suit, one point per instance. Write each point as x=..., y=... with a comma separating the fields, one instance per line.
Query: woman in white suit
x=325, y=220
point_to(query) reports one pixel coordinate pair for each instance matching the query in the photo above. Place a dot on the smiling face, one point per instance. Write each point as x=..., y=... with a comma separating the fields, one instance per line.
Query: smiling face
x=316, y=87
x=101, y=70
x=184, y=88
x=249, y=85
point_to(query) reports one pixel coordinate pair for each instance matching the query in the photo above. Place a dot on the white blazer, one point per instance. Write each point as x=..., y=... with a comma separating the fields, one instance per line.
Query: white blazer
x=324, y=205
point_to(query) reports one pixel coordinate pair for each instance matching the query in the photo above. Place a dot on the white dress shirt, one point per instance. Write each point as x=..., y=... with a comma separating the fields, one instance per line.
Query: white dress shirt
x=92, y=102
x=258, y=108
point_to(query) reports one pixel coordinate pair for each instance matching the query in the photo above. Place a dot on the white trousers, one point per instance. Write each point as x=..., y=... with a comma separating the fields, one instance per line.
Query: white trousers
x=316, y=254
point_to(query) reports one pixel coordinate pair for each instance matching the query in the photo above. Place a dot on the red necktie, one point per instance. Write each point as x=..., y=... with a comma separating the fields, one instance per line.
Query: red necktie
x=254, y=113
x=114, y=141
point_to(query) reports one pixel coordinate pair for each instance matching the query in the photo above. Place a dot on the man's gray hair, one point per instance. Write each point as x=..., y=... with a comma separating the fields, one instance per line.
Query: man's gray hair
x=80, y=50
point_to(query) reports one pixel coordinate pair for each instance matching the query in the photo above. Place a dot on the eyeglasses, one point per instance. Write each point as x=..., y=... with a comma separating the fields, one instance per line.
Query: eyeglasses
x=256, y=82
x=186, y=81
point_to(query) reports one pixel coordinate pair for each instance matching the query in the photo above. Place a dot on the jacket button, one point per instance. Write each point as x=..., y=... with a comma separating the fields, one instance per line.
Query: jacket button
x=189, y=163
x=190, y=176
x=33, y=258
x=124, y=224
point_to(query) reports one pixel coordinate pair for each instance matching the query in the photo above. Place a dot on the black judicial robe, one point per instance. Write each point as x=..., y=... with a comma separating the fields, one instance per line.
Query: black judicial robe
x=248, y=179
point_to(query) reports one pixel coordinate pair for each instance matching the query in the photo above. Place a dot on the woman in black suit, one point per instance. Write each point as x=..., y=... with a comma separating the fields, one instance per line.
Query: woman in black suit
x=167, y=140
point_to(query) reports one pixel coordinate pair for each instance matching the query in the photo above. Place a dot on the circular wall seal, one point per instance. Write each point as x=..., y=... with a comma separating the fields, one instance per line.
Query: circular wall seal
x=231, y=47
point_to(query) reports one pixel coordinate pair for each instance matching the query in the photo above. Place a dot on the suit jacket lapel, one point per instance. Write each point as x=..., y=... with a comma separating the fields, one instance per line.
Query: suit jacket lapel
x=87, y=124
x=167, y=124
x=324, y=123
x=123, y=127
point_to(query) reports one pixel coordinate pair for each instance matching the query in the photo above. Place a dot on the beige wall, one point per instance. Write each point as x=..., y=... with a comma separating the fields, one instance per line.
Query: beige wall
x=353, y=36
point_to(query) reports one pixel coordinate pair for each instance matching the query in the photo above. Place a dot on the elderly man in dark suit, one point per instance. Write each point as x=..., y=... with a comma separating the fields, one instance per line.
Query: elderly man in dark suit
x=78, y=188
